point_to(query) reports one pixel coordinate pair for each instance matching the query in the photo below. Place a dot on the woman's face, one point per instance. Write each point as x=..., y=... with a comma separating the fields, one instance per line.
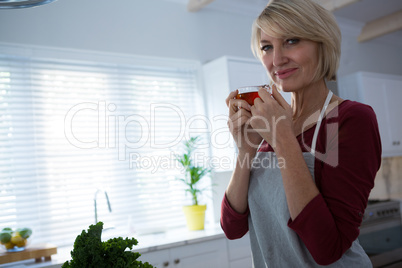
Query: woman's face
x=291, y=62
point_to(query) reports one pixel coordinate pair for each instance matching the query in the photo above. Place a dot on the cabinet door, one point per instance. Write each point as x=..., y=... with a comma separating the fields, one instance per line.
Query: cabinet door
x=373, y=92
x=393, y=99
x=385, y=95
x=217, y=88
x=242, y=263
x=239, y=252
x=159, y=258
x=201, y=255
x=243, y=74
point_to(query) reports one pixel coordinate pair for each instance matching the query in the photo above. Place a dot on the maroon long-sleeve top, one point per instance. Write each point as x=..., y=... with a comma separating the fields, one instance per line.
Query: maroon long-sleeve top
x=344, y=176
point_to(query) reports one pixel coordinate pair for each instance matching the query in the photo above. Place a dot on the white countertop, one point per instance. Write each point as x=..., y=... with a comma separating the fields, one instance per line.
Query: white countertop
x=146, y=243
x=177, y=237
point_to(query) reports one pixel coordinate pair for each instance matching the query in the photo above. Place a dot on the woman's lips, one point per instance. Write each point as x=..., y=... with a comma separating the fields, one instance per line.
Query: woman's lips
x=285, y=73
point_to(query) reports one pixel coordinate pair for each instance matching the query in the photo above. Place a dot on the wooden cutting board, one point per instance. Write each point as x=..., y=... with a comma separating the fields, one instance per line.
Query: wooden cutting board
x=37, y=252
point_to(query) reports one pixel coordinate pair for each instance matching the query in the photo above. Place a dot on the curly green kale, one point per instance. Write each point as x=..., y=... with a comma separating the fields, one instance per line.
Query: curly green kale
x=89, y=251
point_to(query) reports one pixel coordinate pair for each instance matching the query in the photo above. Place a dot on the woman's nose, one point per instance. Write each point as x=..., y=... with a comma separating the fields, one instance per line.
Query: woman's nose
x=280, y=57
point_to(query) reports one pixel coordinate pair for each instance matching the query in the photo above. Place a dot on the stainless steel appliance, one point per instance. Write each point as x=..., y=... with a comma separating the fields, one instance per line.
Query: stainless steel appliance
x=381, y=233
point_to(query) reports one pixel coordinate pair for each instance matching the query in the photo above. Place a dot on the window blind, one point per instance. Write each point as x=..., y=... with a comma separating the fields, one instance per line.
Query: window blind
x=70, y=128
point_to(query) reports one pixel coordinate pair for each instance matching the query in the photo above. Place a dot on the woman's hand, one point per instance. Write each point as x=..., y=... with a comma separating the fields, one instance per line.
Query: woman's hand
x=247, y=140
x=272, y=117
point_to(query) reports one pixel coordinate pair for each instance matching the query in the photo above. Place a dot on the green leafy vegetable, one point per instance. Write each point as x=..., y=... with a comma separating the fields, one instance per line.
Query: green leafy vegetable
x=89, y=251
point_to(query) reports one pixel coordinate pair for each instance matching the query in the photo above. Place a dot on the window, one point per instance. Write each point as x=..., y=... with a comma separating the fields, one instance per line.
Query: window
x=69, y=128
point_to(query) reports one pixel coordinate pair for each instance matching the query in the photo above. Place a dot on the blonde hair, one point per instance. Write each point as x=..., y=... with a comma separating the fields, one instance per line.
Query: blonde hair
x=303, y=19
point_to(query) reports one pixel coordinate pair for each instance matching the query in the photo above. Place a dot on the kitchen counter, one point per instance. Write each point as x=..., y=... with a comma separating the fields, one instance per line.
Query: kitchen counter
x=146, y=243
x=177, y=237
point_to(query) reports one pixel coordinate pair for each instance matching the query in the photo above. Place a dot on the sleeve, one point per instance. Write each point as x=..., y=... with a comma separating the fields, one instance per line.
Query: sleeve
x=329, y=224
x=234, y=225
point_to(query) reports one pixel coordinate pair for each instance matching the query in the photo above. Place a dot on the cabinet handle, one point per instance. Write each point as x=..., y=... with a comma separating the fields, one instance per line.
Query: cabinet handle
x=166, y=264
x=176, y=261
x=396, y=142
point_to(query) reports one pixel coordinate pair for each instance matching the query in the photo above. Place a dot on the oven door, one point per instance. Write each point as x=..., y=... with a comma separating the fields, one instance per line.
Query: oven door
x=380, y=237
x=382, y=241
x=390, y=259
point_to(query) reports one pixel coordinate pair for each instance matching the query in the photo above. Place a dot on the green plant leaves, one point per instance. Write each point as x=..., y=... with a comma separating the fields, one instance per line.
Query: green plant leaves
x=193, y=174
x=89, y=251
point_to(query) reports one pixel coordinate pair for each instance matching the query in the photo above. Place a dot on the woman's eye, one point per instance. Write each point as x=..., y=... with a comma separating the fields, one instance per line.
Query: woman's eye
x=293, y=41
x=266, y=48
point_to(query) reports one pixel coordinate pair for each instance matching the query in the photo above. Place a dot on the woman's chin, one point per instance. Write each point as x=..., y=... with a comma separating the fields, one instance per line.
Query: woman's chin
x=285, y=88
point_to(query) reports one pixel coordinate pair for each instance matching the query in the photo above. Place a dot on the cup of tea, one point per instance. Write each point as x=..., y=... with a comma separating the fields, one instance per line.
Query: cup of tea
x=250, y=93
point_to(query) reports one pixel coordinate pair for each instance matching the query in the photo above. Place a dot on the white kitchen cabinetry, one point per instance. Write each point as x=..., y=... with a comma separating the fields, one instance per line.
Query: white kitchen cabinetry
x=384, y=94
x=222, y=76
x=210, y=253
x=158, y=258
x=239, y=252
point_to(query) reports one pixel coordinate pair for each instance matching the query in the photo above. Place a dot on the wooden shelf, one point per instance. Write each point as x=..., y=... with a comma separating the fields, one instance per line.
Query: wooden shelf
x=38, y=252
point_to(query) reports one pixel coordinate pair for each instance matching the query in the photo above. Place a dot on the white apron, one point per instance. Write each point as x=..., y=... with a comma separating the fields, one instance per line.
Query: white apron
x=273, y=243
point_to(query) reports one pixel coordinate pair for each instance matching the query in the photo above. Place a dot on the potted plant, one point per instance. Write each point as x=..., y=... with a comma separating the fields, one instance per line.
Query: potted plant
x=193, y=174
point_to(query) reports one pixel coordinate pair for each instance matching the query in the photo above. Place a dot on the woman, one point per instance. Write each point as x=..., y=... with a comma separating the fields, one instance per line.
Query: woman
x=303, y=192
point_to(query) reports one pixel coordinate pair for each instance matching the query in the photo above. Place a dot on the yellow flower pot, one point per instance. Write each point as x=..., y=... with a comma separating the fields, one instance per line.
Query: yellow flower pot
x=195, y=216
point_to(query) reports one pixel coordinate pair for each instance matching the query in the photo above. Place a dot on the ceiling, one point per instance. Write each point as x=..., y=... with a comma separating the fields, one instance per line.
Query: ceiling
x=360, y=12
x=367, y=10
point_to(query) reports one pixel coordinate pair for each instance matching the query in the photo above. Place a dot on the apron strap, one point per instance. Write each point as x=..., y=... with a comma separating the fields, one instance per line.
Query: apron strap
x=317, y=127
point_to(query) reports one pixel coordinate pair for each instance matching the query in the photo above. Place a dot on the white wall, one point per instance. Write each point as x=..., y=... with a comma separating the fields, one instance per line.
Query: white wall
x=382, y=55
x=140, y=27
x=166, y=29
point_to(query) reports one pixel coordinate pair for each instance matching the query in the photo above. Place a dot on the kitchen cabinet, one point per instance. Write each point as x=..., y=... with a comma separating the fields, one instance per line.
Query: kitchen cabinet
x=222, y=76
x=383, y=93
x=159, y=258
x=212, y=253
x=239, y=252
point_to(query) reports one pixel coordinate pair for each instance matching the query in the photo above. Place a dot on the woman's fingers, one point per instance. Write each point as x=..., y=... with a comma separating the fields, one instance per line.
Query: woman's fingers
x=274, y=99
x=236, y=104
x=278, y=97
x=238, y=120
x=264, y=95
x=232, y=95
x=240, y=116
